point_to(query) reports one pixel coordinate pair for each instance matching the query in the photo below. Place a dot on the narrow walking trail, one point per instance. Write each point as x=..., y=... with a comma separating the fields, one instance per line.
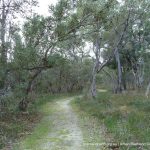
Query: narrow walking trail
x=66, y=134
x=58, y=130
x=64, y=127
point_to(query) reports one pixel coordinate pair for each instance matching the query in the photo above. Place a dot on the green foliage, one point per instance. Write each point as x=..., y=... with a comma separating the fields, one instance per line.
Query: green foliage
x=56, y=47
x=63, y=77
x=123, y=115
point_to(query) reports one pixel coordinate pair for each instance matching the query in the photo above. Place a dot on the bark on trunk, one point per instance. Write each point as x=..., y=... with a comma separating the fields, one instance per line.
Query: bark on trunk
x=124, y=81
x=3, y=47
x=119, y=88
x=138, y=73
x=147, y=90
x=93, y=83
x=95, y=68
x=23, y=104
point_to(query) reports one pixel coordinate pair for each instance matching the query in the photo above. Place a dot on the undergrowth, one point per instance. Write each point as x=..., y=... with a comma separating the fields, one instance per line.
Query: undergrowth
x=15, y=125
x=126, y=116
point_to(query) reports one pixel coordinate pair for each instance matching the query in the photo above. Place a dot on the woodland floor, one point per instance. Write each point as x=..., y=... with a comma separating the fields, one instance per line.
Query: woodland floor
x=63, y=127
x=69, y=123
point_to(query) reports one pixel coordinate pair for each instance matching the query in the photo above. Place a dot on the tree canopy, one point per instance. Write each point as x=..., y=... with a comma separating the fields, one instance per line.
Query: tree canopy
x=78, y=42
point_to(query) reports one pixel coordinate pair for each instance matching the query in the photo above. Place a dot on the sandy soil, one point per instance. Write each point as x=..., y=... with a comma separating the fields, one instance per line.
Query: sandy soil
x=66, y=134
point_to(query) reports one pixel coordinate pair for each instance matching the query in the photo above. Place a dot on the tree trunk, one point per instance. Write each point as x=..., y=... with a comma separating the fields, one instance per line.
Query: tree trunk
x=3, y=52
x=138, y=73
x=147, y=90
x=95, y=68
x=93, y=83
x=119, y=88
x=124, y=81
x=23, y=104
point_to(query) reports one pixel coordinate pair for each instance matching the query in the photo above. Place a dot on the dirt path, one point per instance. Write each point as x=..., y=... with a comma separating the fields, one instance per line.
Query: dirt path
x=63, y=128
x=65, y=133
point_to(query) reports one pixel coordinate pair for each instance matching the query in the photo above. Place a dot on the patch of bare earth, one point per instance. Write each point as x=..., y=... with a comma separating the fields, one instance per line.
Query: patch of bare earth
x=65, y=133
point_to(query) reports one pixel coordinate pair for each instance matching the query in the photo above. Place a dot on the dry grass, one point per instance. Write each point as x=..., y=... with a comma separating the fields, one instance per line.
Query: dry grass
x=126, y=116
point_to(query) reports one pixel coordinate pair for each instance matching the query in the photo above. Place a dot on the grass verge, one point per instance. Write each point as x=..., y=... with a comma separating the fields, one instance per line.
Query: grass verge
x=125, y=116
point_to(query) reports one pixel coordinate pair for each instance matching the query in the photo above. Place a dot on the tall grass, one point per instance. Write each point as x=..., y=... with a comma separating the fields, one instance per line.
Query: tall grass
x=126, y=116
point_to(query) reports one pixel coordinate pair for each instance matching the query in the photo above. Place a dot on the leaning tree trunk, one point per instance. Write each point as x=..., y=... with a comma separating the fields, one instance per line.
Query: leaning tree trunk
x=23, y=104
x=93, y=81
x=119, y=88
x=95, y=67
